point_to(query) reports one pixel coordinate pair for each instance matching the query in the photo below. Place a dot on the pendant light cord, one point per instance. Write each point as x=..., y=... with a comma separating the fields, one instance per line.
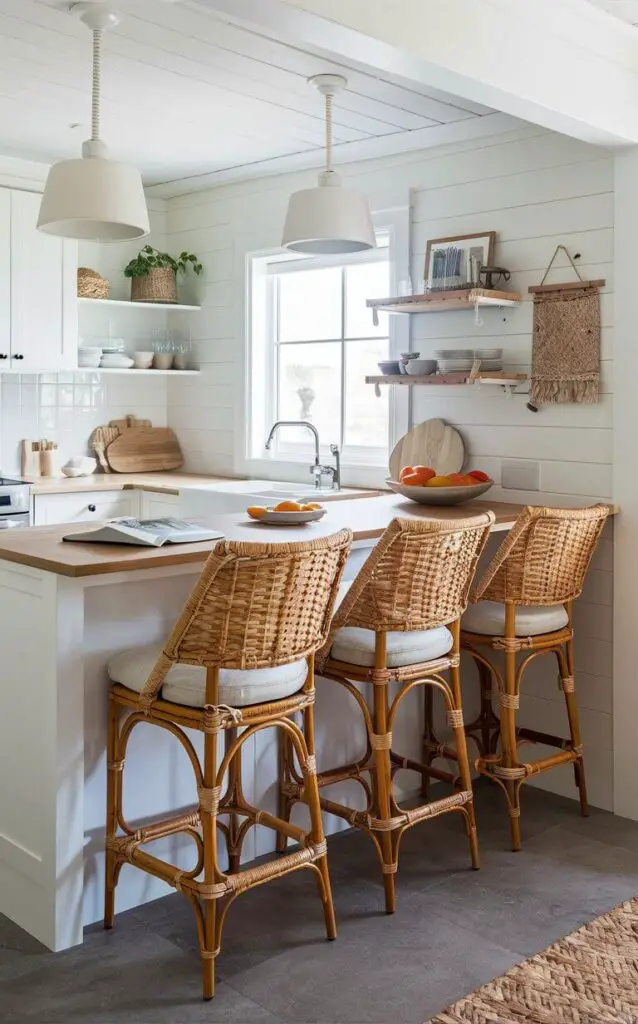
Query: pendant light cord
x=95, y=95
x=329, y=131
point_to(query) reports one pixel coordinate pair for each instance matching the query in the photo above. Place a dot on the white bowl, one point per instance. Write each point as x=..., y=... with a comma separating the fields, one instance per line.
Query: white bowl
x=421, y=367
x=290, y=518
x=116, y=362
x=91, y=349
x=80, y=465
x=440, y=495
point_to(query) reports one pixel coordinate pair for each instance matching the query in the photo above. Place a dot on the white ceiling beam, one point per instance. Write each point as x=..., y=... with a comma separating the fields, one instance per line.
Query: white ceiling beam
x=562, y=64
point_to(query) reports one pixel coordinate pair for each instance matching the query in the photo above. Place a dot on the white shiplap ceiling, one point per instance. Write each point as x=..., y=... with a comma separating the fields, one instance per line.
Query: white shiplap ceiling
x=625, y=9
x=186, y=94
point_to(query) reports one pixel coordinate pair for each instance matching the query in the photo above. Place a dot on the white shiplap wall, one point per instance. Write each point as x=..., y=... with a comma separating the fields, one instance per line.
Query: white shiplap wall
x=535, y=189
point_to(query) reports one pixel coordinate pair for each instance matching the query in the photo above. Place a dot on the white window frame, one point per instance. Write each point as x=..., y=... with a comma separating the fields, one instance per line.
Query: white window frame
x=357, y=468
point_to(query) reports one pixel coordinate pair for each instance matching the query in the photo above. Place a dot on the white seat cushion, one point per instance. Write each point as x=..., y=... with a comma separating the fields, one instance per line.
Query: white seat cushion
x=489, y=617
x=355, y=646
x=186, y=684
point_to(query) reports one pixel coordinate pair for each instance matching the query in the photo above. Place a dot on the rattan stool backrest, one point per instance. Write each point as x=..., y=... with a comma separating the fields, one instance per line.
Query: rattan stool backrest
x=417, y=577
x=545, y=557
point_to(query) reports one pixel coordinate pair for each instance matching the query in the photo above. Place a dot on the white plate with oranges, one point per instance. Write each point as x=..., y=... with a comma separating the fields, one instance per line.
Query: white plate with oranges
x=287, y=513
x=425, y=486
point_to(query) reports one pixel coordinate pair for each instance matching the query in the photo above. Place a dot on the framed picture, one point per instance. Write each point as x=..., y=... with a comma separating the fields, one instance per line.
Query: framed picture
x=453, y=263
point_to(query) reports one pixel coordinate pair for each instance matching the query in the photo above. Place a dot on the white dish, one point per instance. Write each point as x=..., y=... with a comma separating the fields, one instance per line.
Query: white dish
x=116, y=362
x=440, y=495
x=488, y=353
x=290, y=518
x=90, y=364
x=454, y=353
x=80, y=465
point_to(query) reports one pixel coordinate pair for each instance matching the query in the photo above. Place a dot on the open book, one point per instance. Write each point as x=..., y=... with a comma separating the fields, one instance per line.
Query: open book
x=146, y=532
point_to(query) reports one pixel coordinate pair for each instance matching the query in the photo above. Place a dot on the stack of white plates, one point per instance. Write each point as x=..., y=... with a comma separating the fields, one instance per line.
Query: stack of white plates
x=454, y=360
x=89, y=357
x=116, y=361
x=491, y=358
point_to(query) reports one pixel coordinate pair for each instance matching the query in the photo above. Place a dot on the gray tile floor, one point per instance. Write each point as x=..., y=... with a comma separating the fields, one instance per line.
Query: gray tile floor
x=454, y=930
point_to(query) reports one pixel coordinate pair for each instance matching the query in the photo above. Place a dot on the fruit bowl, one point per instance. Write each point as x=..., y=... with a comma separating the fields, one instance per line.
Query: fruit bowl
x=272, y=518
x=440, y=495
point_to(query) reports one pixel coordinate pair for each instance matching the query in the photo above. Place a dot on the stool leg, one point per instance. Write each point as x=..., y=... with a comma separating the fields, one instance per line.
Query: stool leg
x=383, y=774
x=428, y=739
x=284, y=757
x=566, y=665
x=461, y=750
x=208, y=817
x=234, y=793
x=311, y=789
x=485, y=683
x=113, y=776
x=508, y=731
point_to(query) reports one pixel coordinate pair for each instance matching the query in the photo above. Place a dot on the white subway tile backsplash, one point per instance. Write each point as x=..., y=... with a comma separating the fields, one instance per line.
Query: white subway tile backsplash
x=67, y=407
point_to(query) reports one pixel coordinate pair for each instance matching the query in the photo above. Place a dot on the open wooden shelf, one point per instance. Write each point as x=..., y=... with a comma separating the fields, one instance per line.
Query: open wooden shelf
x=137, y=305
x=439, y=302
x=466, y=378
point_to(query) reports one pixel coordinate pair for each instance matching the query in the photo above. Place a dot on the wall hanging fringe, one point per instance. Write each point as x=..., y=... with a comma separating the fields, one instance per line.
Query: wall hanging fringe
x=566, y=340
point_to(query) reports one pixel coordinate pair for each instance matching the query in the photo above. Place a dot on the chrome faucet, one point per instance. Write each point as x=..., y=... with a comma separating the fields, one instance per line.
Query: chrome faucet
x=317, y=470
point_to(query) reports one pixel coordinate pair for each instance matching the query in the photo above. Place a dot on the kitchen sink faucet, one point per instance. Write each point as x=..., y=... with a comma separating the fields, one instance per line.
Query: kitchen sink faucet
x=318, y=471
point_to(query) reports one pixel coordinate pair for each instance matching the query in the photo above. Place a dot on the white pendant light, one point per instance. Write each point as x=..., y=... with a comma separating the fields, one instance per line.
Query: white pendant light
x=94, y=198
x=328, y=219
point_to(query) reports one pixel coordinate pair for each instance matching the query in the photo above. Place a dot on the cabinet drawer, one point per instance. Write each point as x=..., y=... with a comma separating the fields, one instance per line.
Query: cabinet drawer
x=83, y=507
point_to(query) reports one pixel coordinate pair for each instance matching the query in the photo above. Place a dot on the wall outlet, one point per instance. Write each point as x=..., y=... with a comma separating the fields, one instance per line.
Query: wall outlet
x=520, y=475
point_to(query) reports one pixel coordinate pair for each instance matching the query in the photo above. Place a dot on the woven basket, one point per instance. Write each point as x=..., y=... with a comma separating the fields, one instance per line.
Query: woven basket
x=159, y=285
x=91, y=285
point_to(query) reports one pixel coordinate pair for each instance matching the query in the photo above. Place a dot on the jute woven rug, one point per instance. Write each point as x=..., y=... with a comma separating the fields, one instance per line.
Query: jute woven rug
x=590, y=977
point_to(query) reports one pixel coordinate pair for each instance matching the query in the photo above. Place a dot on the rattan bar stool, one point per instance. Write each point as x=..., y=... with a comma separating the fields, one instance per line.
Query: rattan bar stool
x=240, y=659
x=523, y=605
x=399, y=624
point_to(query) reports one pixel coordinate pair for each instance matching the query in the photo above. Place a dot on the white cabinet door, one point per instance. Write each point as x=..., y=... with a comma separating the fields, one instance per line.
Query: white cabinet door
x=43, y=293
x=159, y=506
x=85, y=507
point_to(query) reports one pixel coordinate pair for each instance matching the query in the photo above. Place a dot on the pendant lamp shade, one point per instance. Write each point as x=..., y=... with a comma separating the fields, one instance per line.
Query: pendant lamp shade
x=94, y=198
x=328, y=219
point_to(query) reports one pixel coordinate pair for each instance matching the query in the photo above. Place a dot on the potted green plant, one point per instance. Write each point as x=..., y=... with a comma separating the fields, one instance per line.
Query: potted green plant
x=154, y=274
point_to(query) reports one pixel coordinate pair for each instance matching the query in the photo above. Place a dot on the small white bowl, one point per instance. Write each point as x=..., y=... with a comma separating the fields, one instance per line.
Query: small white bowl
x=80, y=465
x=421, y=367
x=143, y=360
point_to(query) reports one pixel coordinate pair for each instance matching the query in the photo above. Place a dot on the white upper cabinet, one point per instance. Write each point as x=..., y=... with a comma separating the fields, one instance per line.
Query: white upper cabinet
x=38, y=304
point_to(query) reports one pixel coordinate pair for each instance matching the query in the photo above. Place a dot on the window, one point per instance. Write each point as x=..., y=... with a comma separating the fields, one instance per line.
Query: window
x=311, y=343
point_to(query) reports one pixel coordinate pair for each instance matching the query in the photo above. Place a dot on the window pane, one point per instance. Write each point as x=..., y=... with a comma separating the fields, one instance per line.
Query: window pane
x=366, y=281
x=310, y=389
x=366, y=415
x=310, y=305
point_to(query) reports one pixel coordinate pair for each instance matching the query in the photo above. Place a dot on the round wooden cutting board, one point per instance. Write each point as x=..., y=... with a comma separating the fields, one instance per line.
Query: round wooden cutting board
x=432, y=443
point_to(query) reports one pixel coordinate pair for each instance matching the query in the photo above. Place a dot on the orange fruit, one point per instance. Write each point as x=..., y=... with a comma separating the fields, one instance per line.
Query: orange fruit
x=406, y=471
x=440, y=481
x=312, y=506
x=419, y=476
x=256, y=511
x=479, y=476
x=288, y=506
x=458, y=478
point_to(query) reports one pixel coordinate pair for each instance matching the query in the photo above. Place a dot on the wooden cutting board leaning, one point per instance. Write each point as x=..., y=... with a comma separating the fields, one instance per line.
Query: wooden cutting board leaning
x=102, y=437
x=433, y=443
x=144, y=450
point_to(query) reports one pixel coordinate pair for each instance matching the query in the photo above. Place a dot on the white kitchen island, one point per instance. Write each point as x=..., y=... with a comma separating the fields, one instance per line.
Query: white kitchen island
x=66, y=609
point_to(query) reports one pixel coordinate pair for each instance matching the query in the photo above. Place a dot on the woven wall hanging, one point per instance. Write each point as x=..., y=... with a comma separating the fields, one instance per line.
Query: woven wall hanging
x=566, y=340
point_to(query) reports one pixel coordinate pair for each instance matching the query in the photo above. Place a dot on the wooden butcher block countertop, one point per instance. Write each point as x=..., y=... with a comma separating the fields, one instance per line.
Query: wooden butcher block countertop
x=43, y=547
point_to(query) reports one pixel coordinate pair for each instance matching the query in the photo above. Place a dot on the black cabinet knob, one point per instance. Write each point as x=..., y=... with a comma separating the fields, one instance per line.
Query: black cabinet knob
x=92, y=508
x=17, y=355
x=3, y=355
